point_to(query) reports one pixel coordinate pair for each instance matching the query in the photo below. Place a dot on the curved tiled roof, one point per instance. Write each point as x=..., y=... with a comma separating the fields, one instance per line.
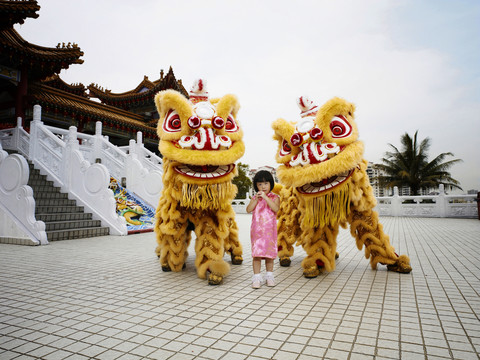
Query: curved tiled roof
x=136, y=95
x=40, y=61
x=56, y=82
x=55, y=100
x=15, y=12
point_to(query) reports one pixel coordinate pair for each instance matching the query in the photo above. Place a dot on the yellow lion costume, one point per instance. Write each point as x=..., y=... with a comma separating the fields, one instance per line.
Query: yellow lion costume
x=200, y=140
x=326, y=185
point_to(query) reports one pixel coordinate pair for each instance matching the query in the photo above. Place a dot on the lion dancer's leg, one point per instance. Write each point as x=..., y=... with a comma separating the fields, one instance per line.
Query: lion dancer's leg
x=367, y=231
x=172, y=236
x=288, y=228
x=232, y=244
x=320, y=245
x=209, y=247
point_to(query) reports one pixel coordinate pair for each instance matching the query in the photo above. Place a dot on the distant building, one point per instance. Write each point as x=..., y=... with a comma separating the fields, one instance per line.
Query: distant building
x=29, y=75
x=374, y=172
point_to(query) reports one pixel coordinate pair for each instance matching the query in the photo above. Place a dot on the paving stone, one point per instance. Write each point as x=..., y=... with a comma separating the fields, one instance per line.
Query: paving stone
x=107, y=297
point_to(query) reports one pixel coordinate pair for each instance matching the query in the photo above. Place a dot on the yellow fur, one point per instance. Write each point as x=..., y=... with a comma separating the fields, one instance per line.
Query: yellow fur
x=204, y=202
x=297, y=176
x=171, y=99
x=312, y=220
x=207, y=157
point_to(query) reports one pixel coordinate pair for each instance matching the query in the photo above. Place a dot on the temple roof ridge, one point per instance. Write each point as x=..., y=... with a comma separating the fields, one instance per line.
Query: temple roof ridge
x=45, y=94
x=57, y=82
x=15, y=11
x=53, y=60
x=152, y=87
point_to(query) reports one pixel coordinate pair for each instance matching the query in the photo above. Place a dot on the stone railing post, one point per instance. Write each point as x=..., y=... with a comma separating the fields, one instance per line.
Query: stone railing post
x=70, y=146
x=139, y=140
x=442, y=202
x=16, y=133
x=37, y=120
x=132, y=147
x=396, y=202
x=97, y=143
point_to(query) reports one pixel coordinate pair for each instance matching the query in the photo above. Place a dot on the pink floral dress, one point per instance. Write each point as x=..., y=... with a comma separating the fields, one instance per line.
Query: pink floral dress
x=263, y=232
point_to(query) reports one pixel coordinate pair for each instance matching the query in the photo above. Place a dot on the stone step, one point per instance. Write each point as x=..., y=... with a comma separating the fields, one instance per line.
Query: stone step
x=63, y=219
x=37, y=176
x=55, y=202
x=46, y=195
x=40, y=188
x=40, y=182
x=58, y=209
x=71, y=225
x=72, y=234
x=63, y=216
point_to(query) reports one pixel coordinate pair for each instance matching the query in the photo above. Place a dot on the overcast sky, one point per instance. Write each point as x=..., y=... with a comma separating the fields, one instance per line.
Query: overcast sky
x=407, y=65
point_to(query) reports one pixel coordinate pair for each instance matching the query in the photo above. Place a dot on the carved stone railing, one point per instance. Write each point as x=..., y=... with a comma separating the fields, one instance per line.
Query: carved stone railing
x=17, y=205
x=441, y=205
x=58, y=156
x=144, y=172
x=136, y=167
x=240, y=205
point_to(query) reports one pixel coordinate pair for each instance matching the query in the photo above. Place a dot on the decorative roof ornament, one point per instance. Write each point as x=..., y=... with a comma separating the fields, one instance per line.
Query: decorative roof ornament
x=306, y=124
x=307, y=106
x=198, y=91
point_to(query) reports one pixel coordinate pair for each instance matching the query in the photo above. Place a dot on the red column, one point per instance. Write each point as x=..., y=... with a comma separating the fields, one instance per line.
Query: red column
x=21, y=93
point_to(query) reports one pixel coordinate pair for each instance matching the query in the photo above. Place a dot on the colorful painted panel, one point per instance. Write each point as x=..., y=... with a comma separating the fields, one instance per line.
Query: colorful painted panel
x=139, y=215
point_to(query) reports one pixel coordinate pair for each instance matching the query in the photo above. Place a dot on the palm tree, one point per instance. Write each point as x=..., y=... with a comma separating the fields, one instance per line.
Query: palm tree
x=410, y=166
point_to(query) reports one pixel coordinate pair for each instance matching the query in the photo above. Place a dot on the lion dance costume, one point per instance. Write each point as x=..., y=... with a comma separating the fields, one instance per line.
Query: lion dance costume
x=200, y=140
x=326, y=186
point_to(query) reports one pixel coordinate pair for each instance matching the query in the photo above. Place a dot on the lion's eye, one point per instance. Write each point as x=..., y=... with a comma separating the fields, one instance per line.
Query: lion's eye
x=231, y=125
x=172, y=122
x=286, y=149
x=340, y=127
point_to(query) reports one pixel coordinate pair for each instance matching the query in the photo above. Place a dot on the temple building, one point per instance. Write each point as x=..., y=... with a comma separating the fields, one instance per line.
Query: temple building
x=29, y=75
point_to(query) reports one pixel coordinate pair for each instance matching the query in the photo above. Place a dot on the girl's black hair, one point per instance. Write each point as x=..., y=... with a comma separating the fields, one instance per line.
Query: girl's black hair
x=263, y=176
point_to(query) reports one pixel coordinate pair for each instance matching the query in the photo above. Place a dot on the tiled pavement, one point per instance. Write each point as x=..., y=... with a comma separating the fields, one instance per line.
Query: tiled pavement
x=107, y=298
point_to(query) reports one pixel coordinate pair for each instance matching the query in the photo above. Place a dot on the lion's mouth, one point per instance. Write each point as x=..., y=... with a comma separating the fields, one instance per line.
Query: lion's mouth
x=325, y=184
x=204, y=171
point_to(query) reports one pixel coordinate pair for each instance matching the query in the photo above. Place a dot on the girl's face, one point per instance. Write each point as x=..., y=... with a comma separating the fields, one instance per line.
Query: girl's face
x=263, y=186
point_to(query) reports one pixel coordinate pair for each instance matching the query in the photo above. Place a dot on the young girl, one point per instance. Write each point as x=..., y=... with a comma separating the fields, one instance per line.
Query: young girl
x=263, y=232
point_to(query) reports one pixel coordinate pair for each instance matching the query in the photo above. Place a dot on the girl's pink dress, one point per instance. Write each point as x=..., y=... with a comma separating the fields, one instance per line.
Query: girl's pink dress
x=263, y=231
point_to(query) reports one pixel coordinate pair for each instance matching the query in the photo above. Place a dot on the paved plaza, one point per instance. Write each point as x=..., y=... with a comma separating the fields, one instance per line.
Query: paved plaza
x=107, y=298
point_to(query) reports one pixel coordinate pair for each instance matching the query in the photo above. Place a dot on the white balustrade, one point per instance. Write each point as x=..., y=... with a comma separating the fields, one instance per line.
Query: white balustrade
x=17, y=205
x=441, y=205
x=240, y=205
x=81, y=165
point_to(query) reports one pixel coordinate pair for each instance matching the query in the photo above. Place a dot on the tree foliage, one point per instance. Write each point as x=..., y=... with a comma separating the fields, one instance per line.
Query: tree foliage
x=242, y=181
x=410, y=167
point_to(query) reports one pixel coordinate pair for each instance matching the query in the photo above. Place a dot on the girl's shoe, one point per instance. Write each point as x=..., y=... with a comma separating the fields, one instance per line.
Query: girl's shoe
x=256, y=282
x=270, y=281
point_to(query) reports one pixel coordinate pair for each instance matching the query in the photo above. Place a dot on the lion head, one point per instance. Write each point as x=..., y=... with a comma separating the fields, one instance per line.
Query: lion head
x=200, y=140
x=319, y=152
x=318, y=155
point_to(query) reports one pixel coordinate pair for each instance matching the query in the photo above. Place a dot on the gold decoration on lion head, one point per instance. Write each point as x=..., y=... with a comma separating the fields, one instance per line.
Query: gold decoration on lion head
x=202, y=136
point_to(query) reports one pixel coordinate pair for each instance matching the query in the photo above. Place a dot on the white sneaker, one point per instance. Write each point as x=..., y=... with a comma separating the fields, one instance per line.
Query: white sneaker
x=256, y=282
x=270, y=281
